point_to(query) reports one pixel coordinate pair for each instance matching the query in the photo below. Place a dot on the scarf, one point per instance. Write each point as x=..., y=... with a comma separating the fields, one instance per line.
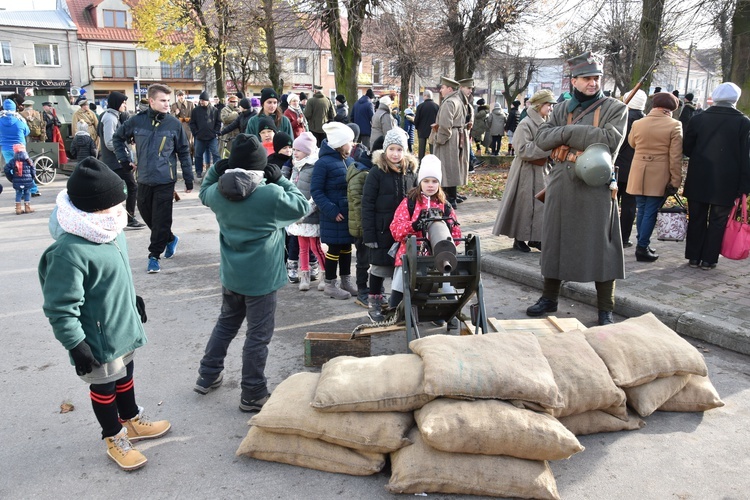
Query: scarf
x=311, y=159
x=579, y=98
x=96, y=227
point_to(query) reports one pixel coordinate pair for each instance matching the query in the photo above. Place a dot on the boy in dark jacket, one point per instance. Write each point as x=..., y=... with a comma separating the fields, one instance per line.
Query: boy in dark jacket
x=83, y=145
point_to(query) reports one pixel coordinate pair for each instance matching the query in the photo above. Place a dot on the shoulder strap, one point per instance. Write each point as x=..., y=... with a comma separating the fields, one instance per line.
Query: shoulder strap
x=410, y=205
x=593, y=107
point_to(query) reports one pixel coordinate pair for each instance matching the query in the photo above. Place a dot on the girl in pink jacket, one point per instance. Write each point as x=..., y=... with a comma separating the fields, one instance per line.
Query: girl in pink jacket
x=406, y=221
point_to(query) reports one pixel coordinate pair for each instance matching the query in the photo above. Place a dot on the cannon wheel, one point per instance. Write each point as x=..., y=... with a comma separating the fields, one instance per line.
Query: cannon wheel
x=45, y=170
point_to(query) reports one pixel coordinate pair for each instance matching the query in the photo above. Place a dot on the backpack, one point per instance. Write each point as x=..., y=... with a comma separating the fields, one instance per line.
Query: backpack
x=411, y=205
x=36, y=125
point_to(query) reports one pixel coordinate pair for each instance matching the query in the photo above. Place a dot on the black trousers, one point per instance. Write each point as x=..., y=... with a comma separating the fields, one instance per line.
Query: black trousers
x=155, y=206
x=627, y=211
x=319, y=136
x=363, y=264
x=132, y=191
x=422, y=147
x=706, y=226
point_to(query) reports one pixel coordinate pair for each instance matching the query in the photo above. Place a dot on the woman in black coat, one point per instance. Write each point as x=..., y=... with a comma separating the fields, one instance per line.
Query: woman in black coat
x=718, y=144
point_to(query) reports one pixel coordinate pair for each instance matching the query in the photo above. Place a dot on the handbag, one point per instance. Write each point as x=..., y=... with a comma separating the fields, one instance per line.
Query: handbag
x=671, y=223
x=736, y=242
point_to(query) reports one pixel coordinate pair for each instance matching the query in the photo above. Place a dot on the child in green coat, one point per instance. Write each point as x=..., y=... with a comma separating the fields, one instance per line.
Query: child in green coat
x=91, y=304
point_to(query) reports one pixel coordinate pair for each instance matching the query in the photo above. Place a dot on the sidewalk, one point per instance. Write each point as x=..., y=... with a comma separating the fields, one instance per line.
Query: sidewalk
x=713, y=306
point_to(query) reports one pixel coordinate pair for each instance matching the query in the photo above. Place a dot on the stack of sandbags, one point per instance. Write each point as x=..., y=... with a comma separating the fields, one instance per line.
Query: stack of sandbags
x=591, y=402
x=656, y=367
x=479, y=436
x=343, y=420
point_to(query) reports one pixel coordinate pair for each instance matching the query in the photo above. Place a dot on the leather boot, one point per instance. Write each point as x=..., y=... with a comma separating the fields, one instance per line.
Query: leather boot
x=19, y=210
x=332, y=290
x=543, y=305
x=28, y=208
x=605, y=318
x=645, y=254
x=347, y=283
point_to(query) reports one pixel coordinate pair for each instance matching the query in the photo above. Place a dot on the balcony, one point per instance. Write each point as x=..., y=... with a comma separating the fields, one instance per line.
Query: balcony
x=165, y=72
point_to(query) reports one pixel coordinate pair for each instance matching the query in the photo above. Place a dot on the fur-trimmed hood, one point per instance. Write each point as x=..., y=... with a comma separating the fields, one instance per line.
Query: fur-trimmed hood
x=378, y=160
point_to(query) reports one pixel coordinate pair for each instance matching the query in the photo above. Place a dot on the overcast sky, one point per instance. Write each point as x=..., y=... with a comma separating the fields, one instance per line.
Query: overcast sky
x=27, y=4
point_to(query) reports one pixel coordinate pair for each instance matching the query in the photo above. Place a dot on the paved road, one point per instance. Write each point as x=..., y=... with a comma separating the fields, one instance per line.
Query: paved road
x=46, y=454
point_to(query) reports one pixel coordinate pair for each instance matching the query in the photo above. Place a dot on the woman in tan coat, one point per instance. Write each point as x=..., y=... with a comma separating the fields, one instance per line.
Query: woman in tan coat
x=656, y=170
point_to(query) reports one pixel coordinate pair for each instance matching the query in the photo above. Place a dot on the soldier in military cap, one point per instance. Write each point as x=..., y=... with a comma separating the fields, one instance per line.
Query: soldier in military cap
x=451, y=139
x=35, y=121
x=581, y=231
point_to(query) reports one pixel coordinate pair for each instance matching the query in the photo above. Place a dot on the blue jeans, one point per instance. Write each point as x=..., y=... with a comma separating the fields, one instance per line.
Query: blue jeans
x=259, y=312
x=201, y=146
x=645, y=219
x=23, y=194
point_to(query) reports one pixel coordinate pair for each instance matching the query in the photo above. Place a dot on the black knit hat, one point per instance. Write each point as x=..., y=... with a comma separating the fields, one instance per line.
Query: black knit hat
x=341, y=98
x=266, y=123
x=115, y=100
x=370, y=94
x=204, y=96
x=245, y=103
x=268, y=93
x=302, y=96
x=247, y=153
x=93, y=186
x=281, y=140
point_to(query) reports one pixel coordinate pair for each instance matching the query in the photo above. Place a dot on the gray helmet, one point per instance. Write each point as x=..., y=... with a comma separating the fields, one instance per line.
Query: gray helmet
x=594, y=166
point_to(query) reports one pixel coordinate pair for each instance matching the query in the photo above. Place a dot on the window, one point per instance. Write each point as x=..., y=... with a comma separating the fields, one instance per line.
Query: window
x=377, y=72
x=478, y=73
x=393, y=68
x=5, y=56
x=115, y=19
x=330, y=66
x=179, y=69
x=46, y=54
x=300, y=65
x=425, y=70
x=118, y=63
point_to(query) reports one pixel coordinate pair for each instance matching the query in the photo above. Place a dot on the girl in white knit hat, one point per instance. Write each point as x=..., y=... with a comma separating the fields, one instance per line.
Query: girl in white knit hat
x=408, y=218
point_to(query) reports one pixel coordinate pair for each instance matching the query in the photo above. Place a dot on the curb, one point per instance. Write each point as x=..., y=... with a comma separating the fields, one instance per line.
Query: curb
x=687, y=323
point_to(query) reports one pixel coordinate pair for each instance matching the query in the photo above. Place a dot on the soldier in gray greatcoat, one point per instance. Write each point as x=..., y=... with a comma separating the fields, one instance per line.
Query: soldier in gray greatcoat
x=581, y=231
x=451, y=139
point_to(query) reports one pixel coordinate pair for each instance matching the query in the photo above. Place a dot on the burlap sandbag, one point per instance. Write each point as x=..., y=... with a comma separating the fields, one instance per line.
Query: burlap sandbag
x=492, y=427
x=645, y=399
x=310, y=453
x=378, y=383
x=420, y=468
x=288, y=411
x=593, y=422
x=492, y=366
x=698, y=395
x=639, y=350
x=580, y=374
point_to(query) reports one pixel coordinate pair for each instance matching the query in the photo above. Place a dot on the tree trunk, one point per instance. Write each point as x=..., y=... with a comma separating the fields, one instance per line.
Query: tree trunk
x=274, y=68
x=648, y=41
x=346, y=55
x=741, y=53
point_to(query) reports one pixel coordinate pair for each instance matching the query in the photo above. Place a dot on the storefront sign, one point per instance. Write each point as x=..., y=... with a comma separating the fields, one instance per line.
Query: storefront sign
x=39, y=84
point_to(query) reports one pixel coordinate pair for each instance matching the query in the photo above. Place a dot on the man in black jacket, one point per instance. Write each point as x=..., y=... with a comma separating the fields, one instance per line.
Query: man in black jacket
x=424, y=118
x=205, y=126
x=159, y=141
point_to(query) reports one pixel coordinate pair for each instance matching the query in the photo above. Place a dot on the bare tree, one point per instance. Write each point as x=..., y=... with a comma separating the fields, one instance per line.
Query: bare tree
x=515, y=72
x=723, y=25
x=472, y=28
x=740, y=73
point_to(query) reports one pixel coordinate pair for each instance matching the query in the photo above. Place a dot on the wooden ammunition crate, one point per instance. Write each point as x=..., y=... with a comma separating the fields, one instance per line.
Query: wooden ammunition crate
x=323, y=346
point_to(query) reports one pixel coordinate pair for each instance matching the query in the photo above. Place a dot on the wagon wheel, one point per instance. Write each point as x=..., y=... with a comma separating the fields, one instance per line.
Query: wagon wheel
x=45, y=170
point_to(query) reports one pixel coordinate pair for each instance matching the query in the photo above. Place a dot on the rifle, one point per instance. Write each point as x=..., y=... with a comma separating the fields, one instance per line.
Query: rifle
x=640, y=82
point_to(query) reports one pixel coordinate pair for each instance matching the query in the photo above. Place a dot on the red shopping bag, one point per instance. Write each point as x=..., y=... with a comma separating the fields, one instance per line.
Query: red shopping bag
x=736, y=242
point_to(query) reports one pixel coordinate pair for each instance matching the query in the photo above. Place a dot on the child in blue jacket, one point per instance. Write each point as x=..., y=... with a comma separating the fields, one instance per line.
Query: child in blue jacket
x=20, y=171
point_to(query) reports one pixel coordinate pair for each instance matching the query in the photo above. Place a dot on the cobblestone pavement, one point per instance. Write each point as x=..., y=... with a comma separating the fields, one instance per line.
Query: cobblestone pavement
x=708, y=305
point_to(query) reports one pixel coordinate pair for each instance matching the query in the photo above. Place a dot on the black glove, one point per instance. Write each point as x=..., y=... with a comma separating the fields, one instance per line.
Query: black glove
x=83, y=359
x=141, y=308
x=189, y=185
x=670, y=190
x=272, y=173
x=126, y=166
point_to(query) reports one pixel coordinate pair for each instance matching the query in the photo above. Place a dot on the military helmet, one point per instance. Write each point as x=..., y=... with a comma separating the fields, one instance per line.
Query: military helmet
x=594, y=166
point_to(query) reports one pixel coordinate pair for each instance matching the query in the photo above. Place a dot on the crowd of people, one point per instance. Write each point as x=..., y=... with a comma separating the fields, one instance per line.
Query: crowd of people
x=307, y=179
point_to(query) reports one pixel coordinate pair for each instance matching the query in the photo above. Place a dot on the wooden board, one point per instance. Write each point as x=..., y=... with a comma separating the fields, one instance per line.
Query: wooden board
x=550, y=324
x=323, y=346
